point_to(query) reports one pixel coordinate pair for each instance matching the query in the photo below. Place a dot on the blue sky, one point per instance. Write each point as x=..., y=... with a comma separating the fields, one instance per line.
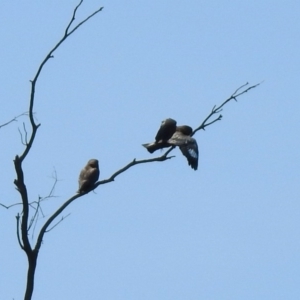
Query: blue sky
x=231, y=229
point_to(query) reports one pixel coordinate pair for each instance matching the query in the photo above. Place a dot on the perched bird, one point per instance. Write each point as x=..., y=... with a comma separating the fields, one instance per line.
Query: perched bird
x=88, y=176
x=171, y=135
x=186, y=144
x=166, y=130
x=164, y=133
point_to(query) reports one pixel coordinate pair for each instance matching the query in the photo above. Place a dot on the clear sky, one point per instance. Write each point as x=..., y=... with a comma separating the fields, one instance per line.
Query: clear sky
x=229, y=230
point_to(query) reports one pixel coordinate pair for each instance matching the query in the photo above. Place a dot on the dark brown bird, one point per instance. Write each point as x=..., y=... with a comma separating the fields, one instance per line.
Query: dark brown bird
x=164, y=133
x=186, y=144
x=181, y=137
x=88, y=176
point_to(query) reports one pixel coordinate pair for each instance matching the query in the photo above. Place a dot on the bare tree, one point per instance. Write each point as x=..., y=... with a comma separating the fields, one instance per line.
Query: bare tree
x=23, y=220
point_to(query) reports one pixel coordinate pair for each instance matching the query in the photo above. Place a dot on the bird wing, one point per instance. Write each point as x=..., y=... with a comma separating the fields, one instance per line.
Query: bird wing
x=166, y=130
x=190, y=151
x=188, y=147
x=87, y=178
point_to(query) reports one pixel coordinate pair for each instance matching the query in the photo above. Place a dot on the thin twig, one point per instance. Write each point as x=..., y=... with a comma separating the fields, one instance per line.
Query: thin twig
x=24, y=128
x=21, y=135
x=218, y=109
x=9, y=206
x=38, y=207
x=18, y=232
x=131, y=164
x=62, y=218
x=73, y=17
x=15, y=119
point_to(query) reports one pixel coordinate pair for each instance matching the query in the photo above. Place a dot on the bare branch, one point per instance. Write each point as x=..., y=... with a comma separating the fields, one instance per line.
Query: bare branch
x=131, y=164
x=35, y=215
x=15, y=119
x=38, y=207
x=73, y=18
x=86, y=19
x=9, y=206
x=34, y=81
x=19, y=182
x=24, y=128
x=24, y=140
x=239, y=88
x=45, y=229
x=21, y=135
x=50, y=220
x=62, y=218
x=218, y=109
x=18, y=231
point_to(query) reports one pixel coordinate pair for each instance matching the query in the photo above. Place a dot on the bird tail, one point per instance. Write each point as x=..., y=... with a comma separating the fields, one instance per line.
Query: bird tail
x=152, y=147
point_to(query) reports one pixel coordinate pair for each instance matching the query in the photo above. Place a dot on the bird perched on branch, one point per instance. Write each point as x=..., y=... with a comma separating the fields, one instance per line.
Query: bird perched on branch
x=88, y=176
x=186, y=144
x=164, y=133
x=171, y=135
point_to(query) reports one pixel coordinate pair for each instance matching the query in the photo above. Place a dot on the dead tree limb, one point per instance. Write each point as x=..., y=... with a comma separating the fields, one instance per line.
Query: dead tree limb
x=19, y=181
x=15, y=119
x=216, y=110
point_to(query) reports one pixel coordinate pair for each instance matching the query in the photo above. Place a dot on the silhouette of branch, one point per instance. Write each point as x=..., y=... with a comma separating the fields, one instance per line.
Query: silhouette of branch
x=38, y=207
x=51, y=219
x=25, y=140
x=40, y=199
x=9, y=206
x=15, y=119
x=45, y=229
x=19, y=182
x=62, y=218
x=18, y=231
x=216, y=110
x=18, y=161
x=131, y=164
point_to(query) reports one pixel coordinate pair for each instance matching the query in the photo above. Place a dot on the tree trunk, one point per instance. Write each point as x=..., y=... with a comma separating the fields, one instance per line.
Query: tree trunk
x=32, y=260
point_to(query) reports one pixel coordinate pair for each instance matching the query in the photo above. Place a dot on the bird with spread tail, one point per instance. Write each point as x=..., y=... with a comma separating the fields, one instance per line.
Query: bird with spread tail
x=88, y=176
x=171, y=135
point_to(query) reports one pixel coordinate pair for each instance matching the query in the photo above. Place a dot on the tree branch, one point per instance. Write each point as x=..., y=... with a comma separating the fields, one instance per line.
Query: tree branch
x=19, y=182
x=15, y=119
x=131, y=164
x=18, y=231
x=44, y=229
x=9, y=206
x=51, y=219
x=62, y=218
x=216, y=110
x=73, y=18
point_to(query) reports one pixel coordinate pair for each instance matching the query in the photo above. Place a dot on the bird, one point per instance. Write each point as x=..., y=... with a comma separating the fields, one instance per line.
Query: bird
x=88, y=176
x=164, y=133
x=186, y=144
x=181, y=137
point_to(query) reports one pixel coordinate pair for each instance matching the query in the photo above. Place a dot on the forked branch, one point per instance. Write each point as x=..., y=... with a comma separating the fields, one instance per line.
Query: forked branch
x=216, y=110
x=22, y=222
